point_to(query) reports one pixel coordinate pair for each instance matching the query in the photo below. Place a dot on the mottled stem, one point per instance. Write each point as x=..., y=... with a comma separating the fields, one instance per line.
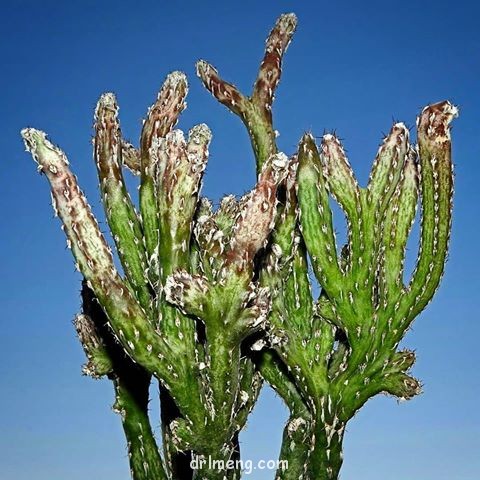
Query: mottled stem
x=161, y=118
x=256, y=111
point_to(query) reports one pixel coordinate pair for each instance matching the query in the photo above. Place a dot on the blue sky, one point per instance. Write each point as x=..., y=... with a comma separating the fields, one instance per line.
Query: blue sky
x=354, y=67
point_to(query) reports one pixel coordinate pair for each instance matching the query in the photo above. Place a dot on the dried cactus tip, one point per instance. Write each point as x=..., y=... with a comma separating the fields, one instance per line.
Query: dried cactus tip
x=176, y=78
x=200, y=133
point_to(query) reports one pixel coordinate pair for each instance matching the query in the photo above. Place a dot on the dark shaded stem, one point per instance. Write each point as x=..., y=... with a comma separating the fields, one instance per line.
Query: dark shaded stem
x=132, y=404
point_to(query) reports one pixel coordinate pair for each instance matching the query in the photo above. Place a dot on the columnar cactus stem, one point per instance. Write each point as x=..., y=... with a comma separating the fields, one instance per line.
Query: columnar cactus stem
x=161, y=118
x=436, y=179
x=94, y=259
x=297, y=433
x=180, y=168
x=231, y=307
x=120, y=212
x=131, y=383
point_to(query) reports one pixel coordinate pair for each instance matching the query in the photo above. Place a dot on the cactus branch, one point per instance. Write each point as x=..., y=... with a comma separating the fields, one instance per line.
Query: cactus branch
x=94, y=259
x=436, y=180
x=131, y=385
x=120, y=212
x=161, y=118
x=255, y=111
x=316, y=217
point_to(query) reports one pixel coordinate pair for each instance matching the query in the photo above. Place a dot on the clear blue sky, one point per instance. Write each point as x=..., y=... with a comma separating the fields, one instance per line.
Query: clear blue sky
x=353, y=67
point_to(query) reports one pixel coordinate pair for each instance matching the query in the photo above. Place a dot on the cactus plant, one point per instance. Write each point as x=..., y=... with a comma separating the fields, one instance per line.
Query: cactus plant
x=212, y=302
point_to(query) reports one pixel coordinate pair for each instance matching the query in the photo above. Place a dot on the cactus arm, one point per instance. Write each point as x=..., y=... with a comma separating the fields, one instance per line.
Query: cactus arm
x=307, y=344
x=257, y=216
x=316, y=218
x=384, y=177
x=119, y=210
x=94, y=260
x=271, y=67
x=296, y=439
x=387, y=168
x=131, y=383
x=285, y=273
x=393, y=379
x=436, y=184
x=343, y=187
x=143, y=454
x=230, y=307
x=226, y=93
x=399, y=218
x=260, y=123
x=99, y=362
x=161, y=118
x=255, y=111
x=262, y=135
x=181, y=166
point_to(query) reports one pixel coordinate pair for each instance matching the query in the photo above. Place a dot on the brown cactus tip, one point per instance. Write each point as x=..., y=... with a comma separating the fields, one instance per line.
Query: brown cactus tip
x=203, y=68
x=34, y=141
x=107, y=100
x=434, y=121
x=286, y=24
x=176, y=79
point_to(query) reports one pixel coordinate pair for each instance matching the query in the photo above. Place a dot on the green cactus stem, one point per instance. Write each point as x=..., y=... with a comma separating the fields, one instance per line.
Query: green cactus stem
x=131, y=383
x=231, y=307
x=285, y=253
x=119, y=210
x=161, y=118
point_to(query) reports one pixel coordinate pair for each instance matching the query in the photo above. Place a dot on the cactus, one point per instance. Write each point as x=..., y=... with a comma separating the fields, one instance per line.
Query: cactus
x=210, y=303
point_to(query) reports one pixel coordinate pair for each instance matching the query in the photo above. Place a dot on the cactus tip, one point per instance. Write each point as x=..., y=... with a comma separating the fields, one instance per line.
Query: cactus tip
x=288, y=22
x=435, y=120
x=176, y=78
x=200, y=133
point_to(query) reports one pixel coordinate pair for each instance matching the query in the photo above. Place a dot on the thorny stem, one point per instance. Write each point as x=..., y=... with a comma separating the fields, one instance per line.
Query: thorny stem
x=131, y=383
x=256, y=111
